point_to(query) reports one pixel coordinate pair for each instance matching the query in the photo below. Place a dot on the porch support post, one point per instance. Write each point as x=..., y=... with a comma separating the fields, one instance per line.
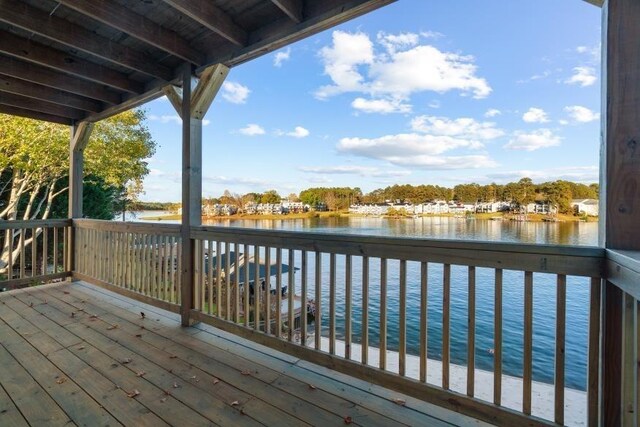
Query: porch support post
x=619, y=180
x=80, y=133
x=193, y=106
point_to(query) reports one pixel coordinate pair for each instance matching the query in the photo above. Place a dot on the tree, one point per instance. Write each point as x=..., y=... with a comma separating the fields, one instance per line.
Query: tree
x=34, y=164
x=270, y=197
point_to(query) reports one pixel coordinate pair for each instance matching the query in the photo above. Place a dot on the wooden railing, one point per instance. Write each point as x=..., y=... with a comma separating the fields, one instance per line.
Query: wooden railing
x=141, y=261
x=33, y=252
x=480, y=328
x=362, y=288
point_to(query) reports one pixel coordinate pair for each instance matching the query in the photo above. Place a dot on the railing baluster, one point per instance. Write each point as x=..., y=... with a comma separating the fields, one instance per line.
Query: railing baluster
x=402, y=357
x=247, y=289
x=383, y=313
x=34, y=247
x=630, y=361
x=279, y=292
x=267, y=290
x=219, y=279
x=55, y=249
x=303, y=300
x=256, y=288
x=236, y=286
x=365, y=311
x=561, y=311
x=347, y=308
x=45, y=250
x=446, y=324
x=178, y=277
x=23, y=233
x=332, y=303
x=210, y=276
x=318, y=291
x=424, y=319
x=291, y=290
x=10, y=260
x=527, y=370
x=227, y=280
x=65, y=249
x=497, y=339
x=471, y=337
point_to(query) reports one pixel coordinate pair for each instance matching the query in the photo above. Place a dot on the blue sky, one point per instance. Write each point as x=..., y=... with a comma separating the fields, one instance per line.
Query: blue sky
x=418, y=92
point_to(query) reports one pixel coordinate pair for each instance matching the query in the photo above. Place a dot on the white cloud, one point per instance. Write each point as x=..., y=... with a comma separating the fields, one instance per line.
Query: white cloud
x=354, y=170
x=434, y=104
x=281, y=56
x=252, y=129
x=221, y=179
x=402, y=68
x=583, y=76
x=584, y=174
x=543, y=75
x=298, y=132
x=460, y=128
x=594, y=52
x=493, y=112
x=532, y=141
x=168, y=118
x=235, y=92
x=581, y=114
x=381, y=106
x=431, y=34
x=535, y=115
x=394, y=42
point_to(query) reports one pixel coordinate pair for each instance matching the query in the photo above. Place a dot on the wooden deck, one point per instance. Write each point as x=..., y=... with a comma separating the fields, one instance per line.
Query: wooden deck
x=74, y=354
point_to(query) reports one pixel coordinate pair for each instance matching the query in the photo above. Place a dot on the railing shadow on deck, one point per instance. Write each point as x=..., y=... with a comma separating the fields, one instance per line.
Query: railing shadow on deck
x=487, y=329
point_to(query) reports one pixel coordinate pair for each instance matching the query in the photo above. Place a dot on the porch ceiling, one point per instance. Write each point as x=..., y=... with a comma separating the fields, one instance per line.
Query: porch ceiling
x=71, y=60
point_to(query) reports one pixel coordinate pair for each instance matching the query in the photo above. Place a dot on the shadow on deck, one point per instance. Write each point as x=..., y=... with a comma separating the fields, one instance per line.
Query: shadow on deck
x=72, y=353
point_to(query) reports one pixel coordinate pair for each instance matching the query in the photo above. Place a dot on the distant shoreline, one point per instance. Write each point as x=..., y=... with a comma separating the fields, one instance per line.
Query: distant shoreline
x=310, y=215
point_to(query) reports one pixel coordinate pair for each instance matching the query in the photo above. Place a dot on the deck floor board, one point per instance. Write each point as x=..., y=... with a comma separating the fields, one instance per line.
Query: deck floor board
x=106, y=351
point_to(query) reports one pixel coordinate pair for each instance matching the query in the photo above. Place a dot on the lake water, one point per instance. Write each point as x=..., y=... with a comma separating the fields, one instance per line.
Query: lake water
x=544, y=299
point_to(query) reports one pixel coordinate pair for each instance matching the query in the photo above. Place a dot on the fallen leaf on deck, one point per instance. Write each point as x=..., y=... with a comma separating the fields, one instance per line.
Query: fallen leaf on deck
x=138, y=335
x=216, y=381
x=167, y=392
x=81, y=347
x=73, y=314
x=400, y=402
x=112, y=327
x=125, y=361
x=45, y=302
x=175, y=385
x=134, y=393
x=142, y=314
x=30, y=304
x=193, y=377
x=348, y=420
x=140, y=374
x=312, y=387
x=164, y=399
x=66, y=292
x=246, y=372
x=234, y=403
x=173, y=356
x=61, y=380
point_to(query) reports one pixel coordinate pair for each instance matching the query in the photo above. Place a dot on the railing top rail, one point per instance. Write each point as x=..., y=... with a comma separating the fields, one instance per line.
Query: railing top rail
x=573, y=260
x=129, y=227
x=36, y=223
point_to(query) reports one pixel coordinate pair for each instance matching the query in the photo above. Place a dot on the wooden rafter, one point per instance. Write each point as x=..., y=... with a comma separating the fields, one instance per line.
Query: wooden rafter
x=36, y=115
x=26, y=103
x=208, y=86
x=81, y=135
x=62, y=31
x=136, y=26
x=293, y=8
x=64, y=62
x=47, y=77
x=213, y=18
x=32, y=90
x=171, y=92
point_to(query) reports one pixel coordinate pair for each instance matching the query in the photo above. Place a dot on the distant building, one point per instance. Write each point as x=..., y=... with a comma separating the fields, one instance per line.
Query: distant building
x=587, y=206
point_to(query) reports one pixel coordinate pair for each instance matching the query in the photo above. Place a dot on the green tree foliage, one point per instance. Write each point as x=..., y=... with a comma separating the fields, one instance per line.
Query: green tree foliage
x=270, y=197
x=335, y=198
x=34, y=165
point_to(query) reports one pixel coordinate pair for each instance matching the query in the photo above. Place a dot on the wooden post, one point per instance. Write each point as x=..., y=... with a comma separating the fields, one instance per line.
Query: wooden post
x=620, y=178
x=193, y=107
x=80, y=133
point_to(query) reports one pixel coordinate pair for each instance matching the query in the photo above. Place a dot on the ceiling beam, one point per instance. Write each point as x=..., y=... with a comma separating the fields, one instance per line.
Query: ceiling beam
x=36, y=115
x=36, y=53
x=55, y=79
x=319, y=16
x=123, y=19
x=293, y=8
x=32, y=90
x=213, y=18
x=41, y=106
x=62, y=31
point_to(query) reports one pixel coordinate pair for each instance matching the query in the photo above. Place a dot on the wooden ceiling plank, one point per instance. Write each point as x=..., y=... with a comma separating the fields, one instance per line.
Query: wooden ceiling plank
x=36, y=53
x=293, y=9
x=36, y=115
x=211, y=17
x=44, y=76
x=137, y=26
x=24, y=102
x=32, y=90
x=31, y=19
